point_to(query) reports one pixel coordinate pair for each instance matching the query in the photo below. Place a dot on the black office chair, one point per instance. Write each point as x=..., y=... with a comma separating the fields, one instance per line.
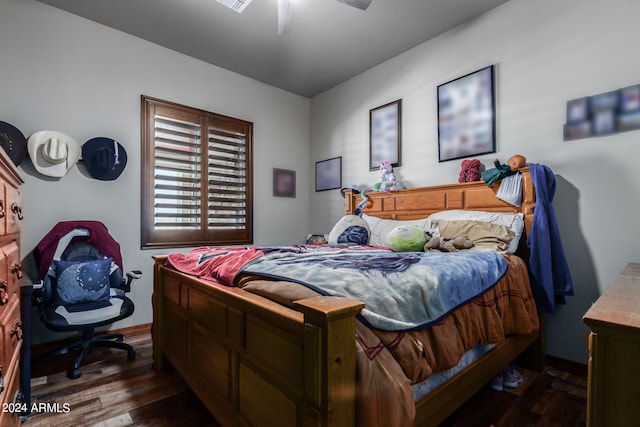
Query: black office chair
x=81, y=291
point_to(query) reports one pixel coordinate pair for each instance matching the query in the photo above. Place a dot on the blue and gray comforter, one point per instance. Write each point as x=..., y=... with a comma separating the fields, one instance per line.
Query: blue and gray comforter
x=402, y=291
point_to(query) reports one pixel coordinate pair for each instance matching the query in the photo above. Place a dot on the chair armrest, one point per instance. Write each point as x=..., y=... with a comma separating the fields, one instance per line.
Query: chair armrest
x=134, y=274
x=131, y=276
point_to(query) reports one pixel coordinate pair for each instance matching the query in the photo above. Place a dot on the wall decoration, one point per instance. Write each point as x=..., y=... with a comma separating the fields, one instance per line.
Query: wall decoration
x=284, y=183
x=329, y=174
x=385, y=134
x=466, y=116
x=603, y=114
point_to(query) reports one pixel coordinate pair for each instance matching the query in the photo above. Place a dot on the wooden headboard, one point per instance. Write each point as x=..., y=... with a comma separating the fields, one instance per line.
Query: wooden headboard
x=415, y=203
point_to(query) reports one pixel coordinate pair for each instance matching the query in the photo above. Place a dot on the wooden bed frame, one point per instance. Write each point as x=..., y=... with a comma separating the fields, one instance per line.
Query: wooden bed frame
x=254, y=362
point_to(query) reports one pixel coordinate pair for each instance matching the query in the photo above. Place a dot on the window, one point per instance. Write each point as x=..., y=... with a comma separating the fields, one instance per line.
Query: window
x=197, y=186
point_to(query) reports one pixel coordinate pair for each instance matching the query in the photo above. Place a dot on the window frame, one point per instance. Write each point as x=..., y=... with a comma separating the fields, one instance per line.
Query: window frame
x=150, y=236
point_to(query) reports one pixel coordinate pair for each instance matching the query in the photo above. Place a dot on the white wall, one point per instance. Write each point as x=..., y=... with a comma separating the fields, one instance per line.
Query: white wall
x=61, y=72
x=546, y=52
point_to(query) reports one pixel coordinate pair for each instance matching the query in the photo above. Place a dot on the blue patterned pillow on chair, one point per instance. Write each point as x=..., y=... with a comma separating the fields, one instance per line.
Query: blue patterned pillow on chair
x=83, y=282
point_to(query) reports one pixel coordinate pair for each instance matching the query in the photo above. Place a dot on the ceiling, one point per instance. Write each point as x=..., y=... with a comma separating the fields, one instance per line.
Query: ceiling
x=328, y=43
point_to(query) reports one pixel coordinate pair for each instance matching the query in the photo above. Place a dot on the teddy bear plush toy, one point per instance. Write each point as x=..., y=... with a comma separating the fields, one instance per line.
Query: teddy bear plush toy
x=469, y=171
x=447, y=245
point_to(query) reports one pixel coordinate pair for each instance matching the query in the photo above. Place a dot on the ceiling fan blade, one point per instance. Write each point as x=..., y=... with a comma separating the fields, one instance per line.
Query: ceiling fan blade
x=360, y=4
x=285, y=14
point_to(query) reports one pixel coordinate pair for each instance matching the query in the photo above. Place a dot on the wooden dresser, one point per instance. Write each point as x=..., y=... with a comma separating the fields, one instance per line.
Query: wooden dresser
x=614, y=345
x=10, y=275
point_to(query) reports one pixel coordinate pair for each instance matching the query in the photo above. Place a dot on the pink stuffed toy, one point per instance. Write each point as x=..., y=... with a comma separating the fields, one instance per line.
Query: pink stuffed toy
x=470, y=171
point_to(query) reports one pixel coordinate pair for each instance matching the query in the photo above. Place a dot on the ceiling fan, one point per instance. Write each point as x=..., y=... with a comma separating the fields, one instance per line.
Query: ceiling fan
x=285, y=9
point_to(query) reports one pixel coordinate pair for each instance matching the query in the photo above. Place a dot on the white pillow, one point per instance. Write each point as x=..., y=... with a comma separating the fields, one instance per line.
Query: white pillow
x=380, y=228
x=514, y=221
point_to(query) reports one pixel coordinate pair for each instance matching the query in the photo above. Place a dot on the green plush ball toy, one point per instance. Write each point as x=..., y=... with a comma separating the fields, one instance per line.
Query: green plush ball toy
x=407, y=238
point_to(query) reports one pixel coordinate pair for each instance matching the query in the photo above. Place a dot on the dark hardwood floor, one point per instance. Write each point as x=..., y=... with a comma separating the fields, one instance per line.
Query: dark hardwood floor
x=114, y=391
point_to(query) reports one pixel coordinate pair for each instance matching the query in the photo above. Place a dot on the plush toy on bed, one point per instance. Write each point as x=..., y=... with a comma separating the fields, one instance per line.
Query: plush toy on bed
x=447, y=245
x=469, y=171
x=407, y=238
x=500, y=171
x=350, y=230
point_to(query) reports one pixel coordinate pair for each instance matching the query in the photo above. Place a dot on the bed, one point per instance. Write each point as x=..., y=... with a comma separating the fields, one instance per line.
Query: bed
x=255, y=360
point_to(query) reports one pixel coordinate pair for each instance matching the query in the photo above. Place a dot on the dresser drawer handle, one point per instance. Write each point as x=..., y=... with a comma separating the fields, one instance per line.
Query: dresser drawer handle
x=16, y=269
x=4, y=295
x=1, y=208
x=17, y=210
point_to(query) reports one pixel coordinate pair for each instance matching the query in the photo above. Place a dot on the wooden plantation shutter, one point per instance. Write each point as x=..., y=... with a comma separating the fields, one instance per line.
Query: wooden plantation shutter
x=197, y=181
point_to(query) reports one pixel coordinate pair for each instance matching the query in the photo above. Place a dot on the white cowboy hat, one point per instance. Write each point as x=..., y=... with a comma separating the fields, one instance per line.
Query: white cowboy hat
x=53, y=153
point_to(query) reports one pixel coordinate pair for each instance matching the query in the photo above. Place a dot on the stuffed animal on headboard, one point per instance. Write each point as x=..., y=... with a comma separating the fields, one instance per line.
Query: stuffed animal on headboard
x=388, y=181
x=500, y=171
x=469, y=171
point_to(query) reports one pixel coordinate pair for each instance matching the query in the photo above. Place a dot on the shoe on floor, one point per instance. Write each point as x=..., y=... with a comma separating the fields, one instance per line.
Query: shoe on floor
x=496, y=383
x=511, y=378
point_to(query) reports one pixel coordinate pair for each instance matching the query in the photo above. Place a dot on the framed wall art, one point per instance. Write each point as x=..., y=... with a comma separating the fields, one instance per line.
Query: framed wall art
x=284, y=183
x=603, y=114
x=385, y=134
x=466, y=116
x=329, y=174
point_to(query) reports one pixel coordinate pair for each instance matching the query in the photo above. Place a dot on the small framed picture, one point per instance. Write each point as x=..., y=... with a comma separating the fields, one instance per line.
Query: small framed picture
x=385, y=134
x=629, y=121
x=604, y=101
x=604, y=122
x=284, y=183
x=577, y=130
x=578, y=110
x=630, y=99
x=329, y=174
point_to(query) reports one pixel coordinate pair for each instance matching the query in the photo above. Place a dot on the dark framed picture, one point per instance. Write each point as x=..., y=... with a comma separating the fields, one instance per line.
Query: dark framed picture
x=329, y=174
x=466, y=116
x=385, y=134
x=604, y=122
x=284, y=183
x=578, y=110
x=577, y=130
x=629, y=121
x=604, y=101
x=630, y=98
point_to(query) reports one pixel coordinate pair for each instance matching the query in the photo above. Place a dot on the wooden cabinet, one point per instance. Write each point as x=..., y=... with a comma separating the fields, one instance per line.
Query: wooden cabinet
x=614, y=345
x=10, y=275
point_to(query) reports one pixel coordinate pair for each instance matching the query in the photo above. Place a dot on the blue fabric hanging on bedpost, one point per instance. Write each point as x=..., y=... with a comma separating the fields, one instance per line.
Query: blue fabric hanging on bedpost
x=549, y=271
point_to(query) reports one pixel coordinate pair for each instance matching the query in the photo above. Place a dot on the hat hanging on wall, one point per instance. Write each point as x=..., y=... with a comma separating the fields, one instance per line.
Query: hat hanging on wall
x=13, y=142
x=104, y=158
x=53, y=153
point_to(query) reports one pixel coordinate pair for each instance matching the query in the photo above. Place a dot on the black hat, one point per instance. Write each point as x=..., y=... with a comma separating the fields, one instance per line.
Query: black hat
x=104, y=158
x=13, y=142
x=354, y=187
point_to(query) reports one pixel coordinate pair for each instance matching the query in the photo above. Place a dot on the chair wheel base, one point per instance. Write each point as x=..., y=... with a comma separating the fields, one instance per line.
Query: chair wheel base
x=74, y=373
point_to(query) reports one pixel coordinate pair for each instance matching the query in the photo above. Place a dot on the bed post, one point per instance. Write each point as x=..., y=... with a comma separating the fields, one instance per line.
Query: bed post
x=157, y=301
x=329, y=361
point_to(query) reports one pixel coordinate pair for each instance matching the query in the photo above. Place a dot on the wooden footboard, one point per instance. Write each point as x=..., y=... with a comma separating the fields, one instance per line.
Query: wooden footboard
x=253, y=362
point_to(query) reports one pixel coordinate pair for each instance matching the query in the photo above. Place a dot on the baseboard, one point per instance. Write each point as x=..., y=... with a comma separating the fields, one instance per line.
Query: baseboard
x=42, y=348
x=576, y=368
